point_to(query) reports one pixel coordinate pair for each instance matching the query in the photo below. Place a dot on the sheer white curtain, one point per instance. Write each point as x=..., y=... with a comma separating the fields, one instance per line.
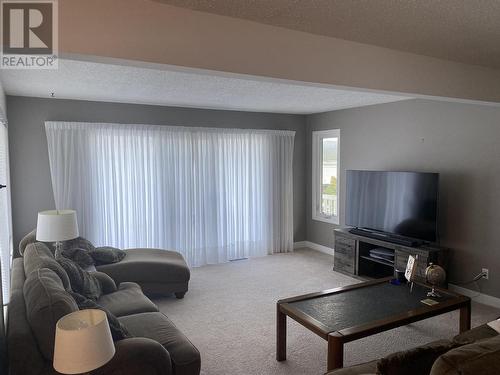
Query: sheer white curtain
x=212, y=194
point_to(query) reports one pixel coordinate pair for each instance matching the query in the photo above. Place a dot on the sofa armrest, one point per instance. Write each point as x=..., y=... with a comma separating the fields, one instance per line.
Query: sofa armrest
x=107, y=283
x=138, y=356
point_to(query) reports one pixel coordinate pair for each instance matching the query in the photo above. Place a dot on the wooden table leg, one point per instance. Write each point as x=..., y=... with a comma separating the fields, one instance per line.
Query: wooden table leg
x=280, y=334
x=465, y=317
x=335, y=351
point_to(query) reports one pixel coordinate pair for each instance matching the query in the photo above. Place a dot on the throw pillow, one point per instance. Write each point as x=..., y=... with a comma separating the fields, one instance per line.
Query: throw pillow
x=107, y=255
x=82, y=282
x=118, y=330
x=78, y=243
x=79, y=256
x=415, y=361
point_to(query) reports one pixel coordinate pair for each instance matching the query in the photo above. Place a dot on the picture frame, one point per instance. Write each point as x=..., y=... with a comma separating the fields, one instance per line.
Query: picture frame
x=411, y=268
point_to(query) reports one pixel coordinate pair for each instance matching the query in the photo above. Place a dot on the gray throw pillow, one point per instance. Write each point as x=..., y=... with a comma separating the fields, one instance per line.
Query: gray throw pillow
x=77, y=243
x=79, y=256
x=107, y=255
x=82, y=282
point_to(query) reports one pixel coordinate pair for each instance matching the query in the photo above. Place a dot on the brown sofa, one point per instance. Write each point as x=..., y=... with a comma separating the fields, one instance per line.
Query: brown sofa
x=476, y=351
x=39, y=297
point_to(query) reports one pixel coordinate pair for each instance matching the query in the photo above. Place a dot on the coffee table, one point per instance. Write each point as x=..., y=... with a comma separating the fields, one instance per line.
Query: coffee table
x=349, y=313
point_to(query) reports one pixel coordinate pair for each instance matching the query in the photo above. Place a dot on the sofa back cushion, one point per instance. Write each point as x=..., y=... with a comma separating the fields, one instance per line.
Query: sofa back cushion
x=46, y=302
x=414, y=361
x=28, y=239
x=24, y=355
x=481, y=357
x=37, y=255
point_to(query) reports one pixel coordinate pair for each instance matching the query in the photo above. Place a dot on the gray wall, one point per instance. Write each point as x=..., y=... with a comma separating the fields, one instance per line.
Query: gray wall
x=30, y=174
x=457, y=140
x=461, y=142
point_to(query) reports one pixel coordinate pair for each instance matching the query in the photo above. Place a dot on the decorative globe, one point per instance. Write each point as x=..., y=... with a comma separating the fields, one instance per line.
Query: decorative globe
x=435, y=275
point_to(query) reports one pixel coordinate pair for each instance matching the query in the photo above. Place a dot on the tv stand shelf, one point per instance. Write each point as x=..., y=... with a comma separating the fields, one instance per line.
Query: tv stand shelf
x=352, y=256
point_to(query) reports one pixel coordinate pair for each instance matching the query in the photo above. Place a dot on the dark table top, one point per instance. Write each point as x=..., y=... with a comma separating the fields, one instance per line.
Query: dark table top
x=354, y=307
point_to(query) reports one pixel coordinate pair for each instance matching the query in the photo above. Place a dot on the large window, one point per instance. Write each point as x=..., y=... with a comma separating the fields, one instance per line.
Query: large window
x=325, y=184
x=212, y=194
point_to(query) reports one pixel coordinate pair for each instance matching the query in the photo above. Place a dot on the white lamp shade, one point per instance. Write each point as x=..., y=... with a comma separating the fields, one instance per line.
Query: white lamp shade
x=83, y=342
x=56, y=225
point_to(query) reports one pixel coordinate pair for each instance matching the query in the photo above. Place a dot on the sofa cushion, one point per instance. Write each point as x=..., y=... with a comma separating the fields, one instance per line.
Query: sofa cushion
x=183, y=354
x=149, y=265
x=28, y=239
x=46, y=302
x=24, y=355
x=118, y=330
x=37, y=255
x=128, y=299
x=414, y=361
x=481, y=357
x=475, y=334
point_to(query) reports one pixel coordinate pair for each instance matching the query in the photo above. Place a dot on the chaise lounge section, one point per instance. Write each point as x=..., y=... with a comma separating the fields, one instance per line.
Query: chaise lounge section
x=157, y=271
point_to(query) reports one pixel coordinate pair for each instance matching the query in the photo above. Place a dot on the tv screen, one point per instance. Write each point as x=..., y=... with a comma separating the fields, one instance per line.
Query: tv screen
x=402, y=203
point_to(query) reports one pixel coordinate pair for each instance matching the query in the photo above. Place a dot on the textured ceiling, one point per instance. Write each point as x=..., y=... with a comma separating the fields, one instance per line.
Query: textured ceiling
x=127, y=84
x=467, y=31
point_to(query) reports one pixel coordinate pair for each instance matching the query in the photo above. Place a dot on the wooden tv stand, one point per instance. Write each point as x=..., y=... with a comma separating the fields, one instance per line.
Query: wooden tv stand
x=352, y=256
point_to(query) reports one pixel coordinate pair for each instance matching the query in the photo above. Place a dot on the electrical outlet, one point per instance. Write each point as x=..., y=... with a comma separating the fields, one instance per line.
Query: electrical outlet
x=486, y=273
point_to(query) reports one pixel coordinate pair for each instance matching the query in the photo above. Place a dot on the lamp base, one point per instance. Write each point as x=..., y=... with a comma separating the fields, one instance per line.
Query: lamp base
x=58, y=250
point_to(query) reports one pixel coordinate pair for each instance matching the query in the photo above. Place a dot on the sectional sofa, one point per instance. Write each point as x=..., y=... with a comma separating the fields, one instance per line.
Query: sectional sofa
x=39, y=297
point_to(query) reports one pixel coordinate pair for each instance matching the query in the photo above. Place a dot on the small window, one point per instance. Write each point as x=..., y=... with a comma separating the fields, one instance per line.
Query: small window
x=325, y=184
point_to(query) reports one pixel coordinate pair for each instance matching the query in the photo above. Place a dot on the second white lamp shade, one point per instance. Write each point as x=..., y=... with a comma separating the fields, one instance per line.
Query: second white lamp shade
x=83, y=342
x=56, y=225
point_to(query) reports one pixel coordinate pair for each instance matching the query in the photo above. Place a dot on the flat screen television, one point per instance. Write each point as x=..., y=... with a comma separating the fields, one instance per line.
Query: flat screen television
x=400, y=203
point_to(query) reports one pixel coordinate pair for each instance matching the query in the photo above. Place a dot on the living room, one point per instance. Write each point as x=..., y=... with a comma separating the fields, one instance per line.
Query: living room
x=195, y=127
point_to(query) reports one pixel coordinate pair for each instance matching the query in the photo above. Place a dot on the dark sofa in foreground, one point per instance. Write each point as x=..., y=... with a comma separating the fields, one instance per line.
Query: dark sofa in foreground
x=39, y=297
x=474, y=352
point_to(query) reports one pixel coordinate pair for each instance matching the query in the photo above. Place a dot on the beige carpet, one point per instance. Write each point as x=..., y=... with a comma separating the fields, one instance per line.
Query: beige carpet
x=229, y=314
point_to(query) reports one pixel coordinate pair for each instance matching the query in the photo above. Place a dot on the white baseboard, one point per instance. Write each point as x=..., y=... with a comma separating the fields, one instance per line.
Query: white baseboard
x=313, y=246
x=474, y=295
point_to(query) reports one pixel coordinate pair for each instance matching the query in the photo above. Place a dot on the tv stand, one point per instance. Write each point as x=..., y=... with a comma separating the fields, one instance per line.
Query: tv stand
x=394, y=238
x=353, y=254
